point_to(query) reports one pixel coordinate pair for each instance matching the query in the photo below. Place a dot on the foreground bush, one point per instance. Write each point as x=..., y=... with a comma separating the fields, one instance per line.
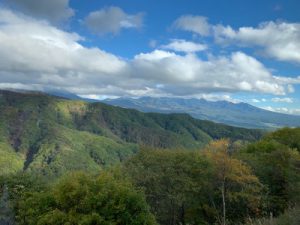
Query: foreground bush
x=83, y=199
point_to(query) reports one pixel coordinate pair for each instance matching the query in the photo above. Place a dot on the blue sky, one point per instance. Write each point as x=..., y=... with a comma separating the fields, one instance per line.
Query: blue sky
x=219, y=50
x=159, y=16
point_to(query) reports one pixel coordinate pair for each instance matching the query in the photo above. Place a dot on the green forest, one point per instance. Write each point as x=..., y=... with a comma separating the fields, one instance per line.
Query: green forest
x=72, y=162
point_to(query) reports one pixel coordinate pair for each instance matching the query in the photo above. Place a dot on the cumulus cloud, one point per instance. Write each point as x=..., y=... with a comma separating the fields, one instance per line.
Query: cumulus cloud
x=180, y=45
x=36, y=55
x=53, y=10
x=196, y=24
x=279, y=40
x=112, y=20
x=238, y=72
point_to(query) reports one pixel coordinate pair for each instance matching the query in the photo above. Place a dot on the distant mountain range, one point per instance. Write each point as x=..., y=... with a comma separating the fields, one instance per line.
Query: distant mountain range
x=235, y=114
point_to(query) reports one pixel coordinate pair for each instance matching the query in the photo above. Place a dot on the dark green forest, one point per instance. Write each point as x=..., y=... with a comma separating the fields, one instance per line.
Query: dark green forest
x=72, y=162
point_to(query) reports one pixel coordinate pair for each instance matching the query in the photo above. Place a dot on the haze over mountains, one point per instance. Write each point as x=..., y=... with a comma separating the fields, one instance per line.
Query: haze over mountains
x=235, y=114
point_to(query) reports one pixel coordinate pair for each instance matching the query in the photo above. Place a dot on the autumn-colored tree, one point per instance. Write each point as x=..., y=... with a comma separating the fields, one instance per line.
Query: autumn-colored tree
x=176, y=184
x=234, y=183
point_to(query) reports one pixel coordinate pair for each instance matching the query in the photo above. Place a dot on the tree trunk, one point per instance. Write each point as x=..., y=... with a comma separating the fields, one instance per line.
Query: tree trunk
x=182, y=214
x=224, y=203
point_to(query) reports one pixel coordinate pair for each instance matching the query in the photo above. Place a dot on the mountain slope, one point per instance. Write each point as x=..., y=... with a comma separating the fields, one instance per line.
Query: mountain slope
x=51, y=135
x=240, y=114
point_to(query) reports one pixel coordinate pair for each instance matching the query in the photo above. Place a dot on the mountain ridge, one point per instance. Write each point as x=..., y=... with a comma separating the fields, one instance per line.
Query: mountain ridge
x=239, y=114
x=234, y=114
x=52, y=135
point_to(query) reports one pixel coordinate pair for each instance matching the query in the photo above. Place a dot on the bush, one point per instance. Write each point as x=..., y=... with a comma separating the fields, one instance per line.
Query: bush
x=83, y=199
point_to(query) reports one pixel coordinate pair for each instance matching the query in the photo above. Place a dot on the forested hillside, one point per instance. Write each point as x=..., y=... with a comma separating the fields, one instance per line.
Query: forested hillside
x=52, y=135
x=149, y=112
x=72, y=162
x=222, y=183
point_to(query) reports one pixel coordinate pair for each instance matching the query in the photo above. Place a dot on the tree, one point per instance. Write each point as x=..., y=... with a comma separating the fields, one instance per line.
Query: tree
x=234, y=183
x=286, y=136
x=175, y=183
x=277, y=167
x=83, y=199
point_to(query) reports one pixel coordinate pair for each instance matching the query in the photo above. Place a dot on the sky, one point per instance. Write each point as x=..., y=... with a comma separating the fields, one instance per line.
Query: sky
x=239, y=51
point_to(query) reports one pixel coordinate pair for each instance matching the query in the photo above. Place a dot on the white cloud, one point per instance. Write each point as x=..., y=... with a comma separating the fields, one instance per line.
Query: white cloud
x=112, y=20
x=217, y=97
x=99, y=97
x=238, y=72
x=293, y=111
x=196, y=24
x=255, y=100
x=279, y=40
x=180, y=45
x=36, y=55
x=285, y=100
x=288, y=80
x=51, y=10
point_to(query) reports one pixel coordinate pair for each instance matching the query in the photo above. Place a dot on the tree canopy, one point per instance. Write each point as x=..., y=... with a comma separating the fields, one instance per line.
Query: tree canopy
x=86, y=200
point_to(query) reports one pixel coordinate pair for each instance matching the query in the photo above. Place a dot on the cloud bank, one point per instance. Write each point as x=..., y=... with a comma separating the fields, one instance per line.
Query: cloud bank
x=36, y=55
